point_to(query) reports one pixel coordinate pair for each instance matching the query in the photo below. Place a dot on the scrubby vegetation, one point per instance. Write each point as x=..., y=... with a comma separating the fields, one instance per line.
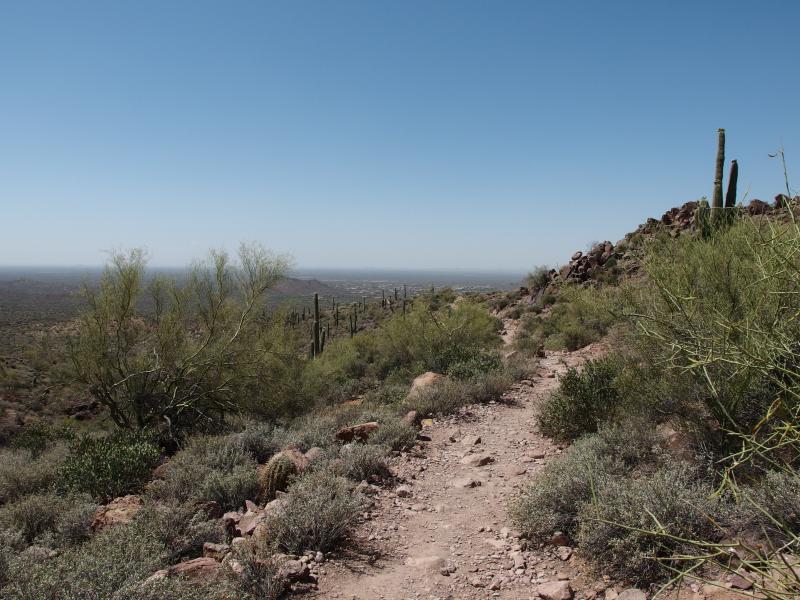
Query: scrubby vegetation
x=688, y=434
x=200, y=385
x=575, y=317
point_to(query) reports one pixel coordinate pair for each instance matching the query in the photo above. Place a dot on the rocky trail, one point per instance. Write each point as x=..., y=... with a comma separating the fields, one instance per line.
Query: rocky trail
x=442, y=531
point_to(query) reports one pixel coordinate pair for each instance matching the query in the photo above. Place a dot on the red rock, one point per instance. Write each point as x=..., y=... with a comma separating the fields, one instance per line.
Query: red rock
x=359, y=432
x=215, y=551
x=248, y=523
x=118, y=511
x=203, y=568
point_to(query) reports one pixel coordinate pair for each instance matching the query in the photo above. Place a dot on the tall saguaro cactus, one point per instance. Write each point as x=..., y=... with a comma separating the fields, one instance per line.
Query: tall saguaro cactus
x=317, y=346
x=733, y=178
x=716, y=198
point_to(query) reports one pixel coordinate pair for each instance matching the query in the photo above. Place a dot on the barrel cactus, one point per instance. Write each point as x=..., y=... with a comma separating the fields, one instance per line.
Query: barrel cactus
x=275, y=477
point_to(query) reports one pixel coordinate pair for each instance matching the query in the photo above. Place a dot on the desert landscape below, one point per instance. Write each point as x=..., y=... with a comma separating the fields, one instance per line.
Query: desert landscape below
x=368, y=300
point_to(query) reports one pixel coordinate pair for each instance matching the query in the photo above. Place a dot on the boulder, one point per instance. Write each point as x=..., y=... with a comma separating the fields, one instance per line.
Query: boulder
x=248, y=522
x=403, y=491
x=359, y=432
x=758, y=207
x=118, y=511
x=555, y=590
x=424, y=381
x=293, y=570
x=198, y=569
x=215, y=551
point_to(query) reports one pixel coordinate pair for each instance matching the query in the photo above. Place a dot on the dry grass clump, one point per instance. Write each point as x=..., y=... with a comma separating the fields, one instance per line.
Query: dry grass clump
x=317, y=512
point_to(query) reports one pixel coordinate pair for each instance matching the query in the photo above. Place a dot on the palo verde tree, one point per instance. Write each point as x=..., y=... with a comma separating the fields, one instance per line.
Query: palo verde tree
x=178, y=353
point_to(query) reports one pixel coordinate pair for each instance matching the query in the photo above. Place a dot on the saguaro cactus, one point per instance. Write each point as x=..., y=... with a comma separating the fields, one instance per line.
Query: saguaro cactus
x=716, y=198
x=733, y=178
x=315, y=332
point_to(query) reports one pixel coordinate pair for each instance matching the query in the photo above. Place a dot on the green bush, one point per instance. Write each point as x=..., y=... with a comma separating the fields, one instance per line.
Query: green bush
x=316, y=513
x=475, y=366
x=578, y=317
x=538, y=279
x=614, y=528
x=722, y=309
x=38, y=437
x=387, y=393
x=204, y=346
x=109, y=466
x=585, y=398
x=554, y=497
x=48, y=519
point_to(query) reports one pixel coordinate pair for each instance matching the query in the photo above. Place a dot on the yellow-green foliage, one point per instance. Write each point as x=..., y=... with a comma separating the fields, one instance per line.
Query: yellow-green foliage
x=725, y=309
x=202, y=348
x=424, y=339
x=275, y=476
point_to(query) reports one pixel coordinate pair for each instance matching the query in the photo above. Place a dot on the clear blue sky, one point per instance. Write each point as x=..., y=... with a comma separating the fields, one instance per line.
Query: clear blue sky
x=379, y=134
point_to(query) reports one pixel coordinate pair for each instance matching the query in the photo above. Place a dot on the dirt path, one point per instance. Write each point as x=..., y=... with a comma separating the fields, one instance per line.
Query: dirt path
x=444, y=532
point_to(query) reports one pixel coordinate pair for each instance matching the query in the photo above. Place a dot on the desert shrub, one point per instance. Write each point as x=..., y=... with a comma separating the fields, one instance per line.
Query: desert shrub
x=538, y=279
x=48, y=519
x=336, y=373
x=553, y=499
x=204, y=347
x=36, y=438
x=315, y=429
x=111, y=564
x=578, y=317
x=475, y=366
x=230, y=489
x=388, y=393
x=176, y=588
x=772, y=505
x=489, y=388
x=431, y=339
x=180, y=528
x=395, y=434
x=584, y=399
x=109, y=466
x=259, y=578
x=449, y=396
x=21, y=474
x=364, y=461
x=443, y=398
x=722, y=308
x=317, y=512
x=257, y=439
x=614, y=527
x=218, y=468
